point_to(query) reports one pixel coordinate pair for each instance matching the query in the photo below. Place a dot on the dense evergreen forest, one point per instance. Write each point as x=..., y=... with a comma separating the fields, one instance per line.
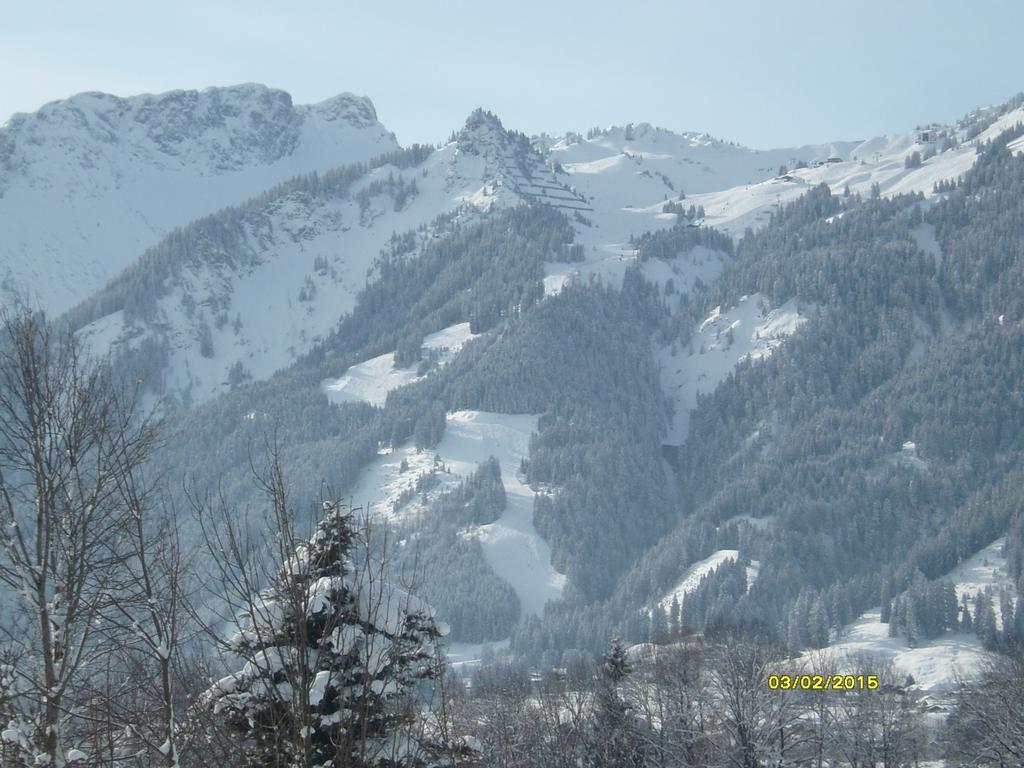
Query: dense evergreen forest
x=906, y=345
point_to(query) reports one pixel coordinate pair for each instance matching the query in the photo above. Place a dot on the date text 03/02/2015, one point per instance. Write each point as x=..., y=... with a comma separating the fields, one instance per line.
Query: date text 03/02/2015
x=823, y=682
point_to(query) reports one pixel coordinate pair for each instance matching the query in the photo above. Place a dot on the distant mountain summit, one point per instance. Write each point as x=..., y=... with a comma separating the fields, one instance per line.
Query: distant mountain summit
x=88, y=183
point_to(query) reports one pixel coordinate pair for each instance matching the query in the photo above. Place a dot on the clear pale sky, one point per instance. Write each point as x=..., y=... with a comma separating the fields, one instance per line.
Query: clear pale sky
x=759, y=72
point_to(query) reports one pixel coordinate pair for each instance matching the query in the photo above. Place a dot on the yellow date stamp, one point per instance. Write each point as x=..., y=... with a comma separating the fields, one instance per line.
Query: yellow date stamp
x=823, y=682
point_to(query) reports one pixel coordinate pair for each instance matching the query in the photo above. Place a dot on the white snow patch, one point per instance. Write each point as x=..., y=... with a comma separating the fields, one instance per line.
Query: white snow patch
x=98, y=337
x=987, y=568
x=907, y=456
x=463, y=655
x=692, y=578
x=558, y=276
x=371, y=380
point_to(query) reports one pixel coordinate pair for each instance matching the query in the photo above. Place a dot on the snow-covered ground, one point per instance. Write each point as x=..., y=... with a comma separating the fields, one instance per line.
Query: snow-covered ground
x=750, y=330
x=467, y=655
x=371, y=380
x=511, y=544
x=934, y=665
x=691, y=578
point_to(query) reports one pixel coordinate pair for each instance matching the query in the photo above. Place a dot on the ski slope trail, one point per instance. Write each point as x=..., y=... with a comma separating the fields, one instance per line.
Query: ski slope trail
x=511, y=544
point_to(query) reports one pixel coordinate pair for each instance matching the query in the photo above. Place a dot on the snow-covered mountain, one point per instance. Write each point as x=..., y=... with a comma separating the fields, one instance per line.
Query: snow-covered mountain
x=88, y=183
x=640, y=178
x=225, y=312
x=242, y=293
x=629, y=173
x=212, y=239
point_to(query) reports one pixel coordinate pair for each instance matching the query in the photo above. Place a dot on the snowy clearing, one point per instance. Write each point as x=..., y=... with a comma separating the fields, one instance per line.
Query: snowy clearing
x=700, y=569
x=371, y=380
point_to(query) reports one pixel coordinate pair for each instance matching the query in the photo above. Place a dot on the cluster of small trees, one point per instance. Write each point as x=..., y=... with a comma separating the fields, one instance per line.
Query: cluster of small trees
x=925, y=610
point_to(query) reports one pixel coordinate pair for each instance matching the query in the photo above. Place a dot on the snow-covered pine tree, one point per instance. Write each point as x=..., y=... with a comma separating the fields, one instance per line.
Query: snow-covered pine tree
x=615, y=740
x=674, y=626
x=658, y=631
x=615, y=666
x=886, y=600
x=332, y=656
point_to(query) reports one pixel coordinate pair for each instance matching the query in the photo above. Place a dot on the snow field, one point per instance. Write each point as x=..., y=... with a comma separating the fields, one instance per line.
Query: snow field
x=371, y=380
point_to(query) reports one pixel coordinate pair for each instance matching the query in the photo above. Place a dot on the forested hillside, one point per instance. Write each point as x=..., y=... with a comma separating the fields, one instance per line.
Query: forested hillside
x=879, y=445
x=798, y=459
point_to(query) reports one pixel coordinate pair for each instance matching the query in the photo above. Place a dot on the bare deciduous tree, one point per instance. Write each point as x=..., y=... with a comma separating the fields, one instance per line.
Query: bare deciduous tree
x=987, y=725
x=66, y=438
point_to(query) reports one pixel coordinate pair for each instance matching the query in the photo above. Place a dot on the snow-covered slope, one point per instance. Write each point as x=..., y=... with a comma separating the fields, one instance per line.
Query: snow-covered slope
x=511, y=544
x=246, y=292
x=231, y=312
x=88, y=183
x=692, y=577
x=748, y=331
x=371, y=380
x=628, y=174
x=880, y=161
x=935, y=663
